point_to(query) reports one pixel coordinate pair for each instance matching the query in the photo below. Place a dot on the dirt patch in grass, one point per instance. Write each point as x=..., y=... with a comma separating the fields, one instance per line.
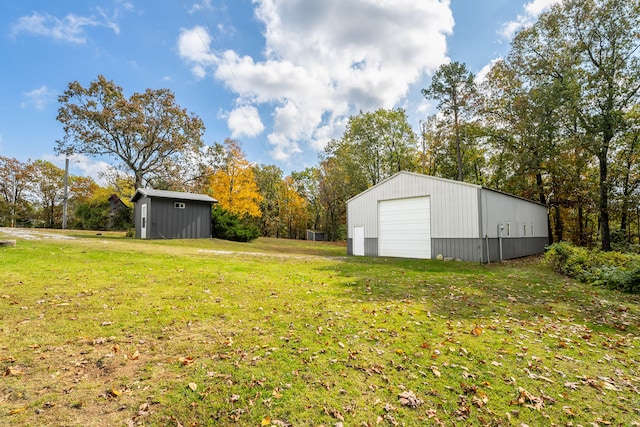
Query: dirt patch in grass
x=32, y=234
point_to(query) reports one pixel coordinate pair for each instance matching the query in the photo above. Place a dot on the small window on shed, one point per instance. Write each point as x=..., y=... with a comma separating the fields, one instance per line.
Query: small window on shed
x=178, y=205
x=531, y=230
x=524, y=226
x=508, y=230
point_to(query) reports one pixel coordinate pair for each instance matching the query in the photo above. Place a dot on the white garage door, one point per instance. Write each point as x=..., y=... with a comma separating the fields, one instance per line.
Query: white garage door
x=404, y=228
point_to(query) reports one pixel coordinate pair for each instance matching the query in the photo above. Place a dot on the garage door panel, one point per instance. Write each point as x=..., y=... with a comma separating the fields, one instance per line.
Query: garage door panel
x=404, y=228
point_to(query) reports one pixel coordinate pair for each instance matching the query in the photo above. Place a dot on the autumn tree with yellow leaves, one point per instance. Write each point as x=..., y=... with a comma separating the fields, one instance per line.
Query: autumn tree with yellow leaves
x=233, y=182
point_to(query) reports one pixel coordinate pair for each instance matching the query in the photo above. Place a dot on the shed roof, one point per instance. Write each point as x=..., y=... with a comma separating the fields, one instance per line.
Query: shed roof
x=179, y=195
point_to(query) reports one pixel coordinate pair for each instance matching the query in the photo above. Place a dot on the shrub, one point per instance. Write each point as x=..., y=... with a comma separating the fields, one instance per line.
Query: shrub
x=613, y=270
x=228, y=226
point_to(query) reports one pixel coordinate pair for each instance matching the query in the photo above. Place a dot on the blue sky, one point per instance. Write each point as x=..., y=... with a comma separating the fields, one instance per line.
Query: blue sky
x=281, y=76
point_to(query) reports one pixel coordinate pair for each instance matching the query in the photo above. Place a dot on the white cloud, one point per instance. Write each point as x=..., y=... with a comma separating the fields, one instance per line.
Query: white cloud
x=39, y=98
x=194, y=47
x=532, y=10
x=482, y=74
x=69, y=29
x=245, y=121
x=324, y=61
x=197, y=7
x=86, y=165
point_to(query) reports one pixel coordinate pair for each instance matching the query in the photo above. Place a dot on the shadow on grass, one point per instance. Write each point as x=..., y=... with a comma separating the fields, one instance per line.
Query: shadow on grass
x=523, y=288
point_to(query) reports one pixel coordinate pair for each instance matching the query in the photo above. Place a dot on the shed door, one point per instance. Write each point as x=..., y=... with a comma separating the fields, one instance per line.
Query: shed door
x=143, y=221
x=404, y=228
x=358, y=240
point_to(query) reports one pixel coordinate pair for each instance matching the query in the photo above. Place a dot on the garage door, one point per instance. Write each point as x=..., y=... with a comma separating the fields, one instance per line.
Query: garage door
x=404, y=228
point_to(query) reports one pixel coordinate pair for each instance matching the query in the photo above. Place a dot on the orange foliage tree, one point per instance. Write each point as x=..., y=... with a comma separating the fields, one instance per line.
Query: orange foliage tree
x=233, y=182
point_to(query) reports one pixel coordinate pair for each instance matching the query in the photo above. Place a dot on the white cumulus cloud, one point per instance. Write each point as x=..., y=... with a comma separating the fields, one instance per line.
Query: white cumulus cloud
x=245, y=121
x=532, y=10
x=325, y=60
x=71, y=28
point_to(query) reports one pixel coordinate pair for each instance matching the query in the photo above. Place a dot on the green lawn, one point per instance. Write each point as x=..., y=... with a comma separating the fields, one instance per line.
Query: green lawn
x=102, y=330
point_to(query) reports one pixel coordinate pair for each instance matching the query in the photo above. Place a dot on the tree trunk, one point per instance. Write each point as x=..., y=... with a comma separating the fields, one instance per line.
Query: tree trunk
x=604, y=201
x=559, y=226
x=581, y=225
x=458, y=148
x=543, y=200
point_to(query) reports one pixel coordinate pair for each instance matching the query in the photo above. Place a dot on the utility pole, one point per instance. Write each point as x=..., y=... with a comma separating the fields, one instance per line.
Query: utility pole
x=14, y=198
x=66, y=193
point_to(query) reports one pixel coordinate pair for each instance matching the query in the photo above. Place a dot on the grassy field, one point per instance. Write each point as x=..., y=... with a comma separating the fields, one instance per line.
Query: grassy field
x=100, y=330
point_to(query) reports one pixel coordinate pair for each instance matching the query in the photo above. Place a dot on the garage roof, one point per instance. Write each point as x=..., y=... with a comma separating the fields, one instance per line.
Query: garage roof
x=468, y=184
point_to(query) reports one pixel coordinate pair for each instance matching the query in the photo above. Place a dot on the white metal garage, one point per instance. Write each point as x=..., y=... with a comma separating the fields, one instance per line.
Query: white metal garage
x=404, y=228
x=410, y=215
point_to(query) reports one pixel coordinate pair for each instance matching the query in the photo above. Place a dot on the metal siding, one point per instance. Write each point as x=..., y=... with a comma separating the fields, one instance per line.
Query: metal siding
x=520, y=247
x=168, y=222
x=454, y=205
x=466, y=249
x=371, y=247
x=501, y=208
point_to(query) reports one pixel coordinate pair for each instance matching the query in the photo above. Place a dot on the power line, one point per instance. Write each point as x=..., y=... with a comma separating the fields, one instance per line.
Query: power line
x=253, y=125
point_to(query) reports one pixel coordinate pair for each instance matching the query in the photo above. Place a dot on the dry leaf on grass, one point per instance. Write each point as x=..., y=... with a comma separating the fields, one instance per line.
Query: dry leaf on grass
x=186, y=360
x=13, y=372
x=435, y=371
x=409, y=398
x=18, y=410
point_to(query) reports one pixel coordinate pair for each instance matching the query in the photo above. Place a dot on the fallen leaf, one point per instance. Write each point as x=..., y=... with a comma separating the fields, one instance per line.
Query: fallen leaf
x=115, y=392
x=477, y=331
x=193, y=386
x=13, y=372
x=408, y=398
x=480, y=400
x=337, y=415
x=266, y=421
x=435, y=371
x=18, y=410
x=186, y=360
x=134, y=356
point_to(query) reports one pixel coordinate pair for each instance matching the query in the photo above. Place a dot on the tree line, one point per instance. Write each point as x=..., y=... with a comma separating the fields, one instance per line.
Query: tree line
x=556, y=121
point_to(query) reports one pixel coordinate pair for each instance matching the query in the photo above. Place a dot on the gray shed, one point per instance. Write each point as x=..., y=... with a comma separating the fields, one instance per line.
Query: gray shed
x=410, y=215
x=163, y=214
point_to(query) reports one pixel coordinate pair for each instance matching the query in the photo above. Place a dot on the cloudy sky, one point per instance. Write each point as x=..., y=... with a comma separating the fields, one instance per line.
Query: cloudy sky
x=281, y=76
